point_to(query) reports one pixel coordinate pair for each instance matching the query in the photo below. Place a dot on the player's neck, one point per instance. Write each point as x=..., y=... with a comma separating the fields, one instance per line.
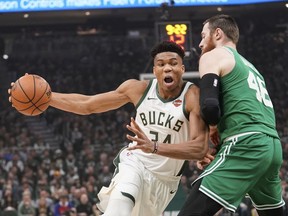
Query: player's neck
x=227, y=44
x=171, y=94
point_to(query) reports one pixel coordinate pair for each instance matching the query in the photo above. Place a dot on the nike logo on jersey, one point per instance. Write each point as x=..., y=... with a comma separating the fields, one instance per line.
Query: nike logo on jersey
x=151, y=98
x=172, y=191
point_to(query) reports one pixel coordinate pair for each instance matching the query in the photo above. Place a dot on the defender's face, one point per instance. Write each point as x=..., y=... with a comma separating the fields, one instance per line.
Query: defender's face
x=207, y=42
x=168, y=69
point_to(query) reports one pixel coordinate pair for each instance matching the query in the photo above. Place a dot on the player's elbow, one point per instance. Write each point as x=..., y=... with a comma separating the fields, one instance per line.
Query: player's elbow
x=200, y=153
x=199, y=148
x=209, y=98
x=210, y=111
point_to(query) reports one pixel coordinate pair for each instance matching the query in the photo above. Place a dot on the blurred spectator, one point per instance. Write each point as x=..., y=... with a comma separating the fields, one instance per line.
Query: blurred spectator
x=44, y=203
x=8, y=200
x=59, y=159
x=75, y=194
x=191, y=173
x=26, y=206
x=76, y=138
x=16, y=161
x=63, y=206
x=72, y=177
x=105, y=176
x=84, y=208
x=42, y=208
x=92, y=191
x=9, y=211
x=56, y=172
x=90, y=171
x=70, y=162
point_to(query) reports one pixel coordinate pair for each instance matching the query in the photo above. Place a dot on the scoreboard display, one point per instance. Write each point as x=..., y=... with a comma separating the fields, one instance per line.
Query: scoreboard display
x=179, y=32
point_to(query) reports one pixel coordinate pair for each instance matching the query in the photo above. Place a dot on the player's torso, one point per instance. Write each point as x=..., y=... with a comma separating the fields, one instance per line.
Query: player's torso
x=163, y=121
x=245, y=103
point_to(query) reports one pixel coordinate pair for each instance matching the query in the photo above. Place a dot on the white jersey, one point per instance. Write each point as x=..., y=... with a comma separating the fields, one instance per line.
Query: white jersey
x=165, y=121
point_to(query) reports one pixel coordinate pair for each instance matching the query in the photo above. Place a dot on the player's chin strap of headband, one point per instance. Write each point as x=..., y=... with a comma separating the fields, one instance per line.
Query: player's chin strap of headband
x=209, y=98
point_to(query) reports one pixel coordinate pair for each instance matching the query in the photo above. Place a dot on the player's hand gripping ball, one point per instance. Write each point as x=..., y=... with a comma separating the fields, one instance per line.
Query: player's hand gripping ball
x=31, y=95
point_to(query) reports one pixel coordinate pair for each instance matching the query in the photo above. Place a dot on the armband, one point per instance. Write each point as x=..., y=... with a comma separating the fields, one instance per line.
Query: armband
x=209, y=98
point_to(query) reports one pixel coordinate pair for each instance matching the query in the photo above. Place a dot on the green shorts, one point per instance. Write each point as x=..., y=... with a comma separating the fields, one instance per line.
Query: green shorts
x=245, y=165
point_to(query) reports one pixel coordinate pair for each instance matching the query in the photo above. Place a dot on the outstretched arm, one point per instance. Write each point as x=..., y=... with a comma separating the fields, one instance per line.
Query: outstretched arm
x=129, y=91
x=84, y=104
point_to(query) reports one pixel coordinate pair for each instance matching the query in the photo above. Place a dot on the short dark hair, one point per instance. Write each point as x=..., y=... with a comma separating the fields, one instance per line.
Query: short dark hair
x=226, y=23
x=167, y=46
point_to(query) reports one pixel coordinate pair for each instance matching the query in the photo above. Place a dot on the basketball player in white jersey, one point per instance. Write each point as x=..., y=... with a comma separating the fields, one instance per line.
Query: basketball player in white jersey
x=168, y=113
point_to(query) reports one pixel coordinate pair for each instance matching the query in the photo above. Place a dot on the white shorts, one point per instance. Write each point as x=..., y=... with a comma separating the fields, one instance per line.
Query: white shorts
x=152, y=192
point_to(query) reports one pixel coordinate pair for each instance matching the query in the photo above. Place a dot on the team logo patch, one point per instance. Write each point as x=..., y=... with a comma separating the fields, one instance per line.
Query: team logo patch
x=129, y=153
x=177, y=102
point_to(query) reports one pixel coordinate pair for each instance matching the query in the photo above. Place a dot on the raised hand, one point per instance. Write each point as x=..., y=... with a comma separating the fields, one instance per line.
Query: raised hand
x=141, y=140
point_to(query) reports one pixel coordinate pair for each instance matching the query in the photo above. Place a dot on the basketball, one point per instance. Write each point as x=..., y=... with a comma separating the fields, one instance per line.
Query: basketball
x=31, y=95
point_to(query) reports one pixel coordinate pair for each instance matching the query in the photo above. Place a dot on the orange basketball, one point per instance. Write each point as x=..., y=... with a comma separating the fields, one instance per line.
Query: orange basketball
x=31, y=95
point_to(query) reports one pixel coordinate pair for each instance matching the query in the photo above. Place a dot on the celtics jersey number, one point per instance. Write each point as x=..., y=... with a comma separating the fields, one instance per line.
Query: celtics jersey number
x=256, y=83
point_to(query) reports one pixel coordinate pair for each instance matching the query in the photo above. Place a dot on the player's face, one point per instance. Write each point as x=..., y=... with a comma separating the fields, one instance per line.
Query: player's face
x=206, y=43
x=168, y=69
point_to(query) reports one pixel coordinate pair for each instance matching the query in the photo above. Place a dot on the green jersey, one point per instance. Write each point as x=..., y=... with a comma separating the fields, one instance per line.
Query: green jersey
x=245, y=103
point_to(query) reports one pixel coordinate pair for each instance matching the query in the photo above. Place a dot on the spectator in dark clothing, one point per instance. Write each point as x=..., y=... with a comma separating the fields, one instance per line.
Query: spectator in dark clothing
x=84, y=208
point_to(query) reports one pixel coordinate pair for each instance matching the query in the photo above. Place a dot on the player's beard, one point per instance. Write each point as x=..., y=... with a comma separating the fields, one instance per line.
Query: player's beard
x=210, y=46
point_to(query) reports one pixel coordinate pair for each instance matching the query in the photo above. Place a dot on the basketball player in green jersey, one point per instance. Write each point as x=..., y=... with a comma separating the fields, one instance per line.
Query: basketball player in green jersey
x=234, y=97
